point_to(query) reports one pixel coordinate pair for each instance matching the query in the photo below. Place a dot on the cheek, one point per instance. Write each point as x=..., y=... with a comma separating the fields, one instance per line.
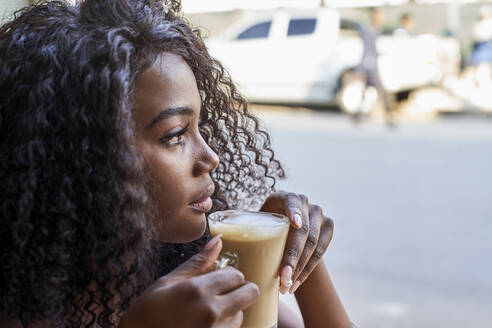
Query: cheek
x=170, y=186
x=167, y=181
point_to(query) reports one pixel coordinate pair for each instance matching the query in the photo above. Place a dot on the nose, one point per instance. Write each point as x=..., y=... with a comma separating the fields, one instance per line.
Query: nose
x=207, y=160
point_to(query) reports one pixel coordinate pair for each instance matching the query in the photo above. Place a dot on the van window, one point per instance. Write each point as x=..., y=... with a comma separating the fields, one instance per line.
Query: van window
x=301, y=26
x=256, y=31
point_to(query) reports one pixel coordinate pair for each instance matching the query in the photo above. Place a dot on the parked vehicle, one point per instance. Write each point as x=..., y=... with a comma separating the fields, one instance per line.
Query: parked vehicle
x=302, y=56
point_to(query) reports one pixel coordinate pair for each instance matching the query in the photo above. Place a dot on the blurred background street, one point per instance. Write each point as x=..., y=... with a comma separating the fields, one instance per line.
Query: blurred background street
x=396, y=144
x=412, y=210
x=389, y=128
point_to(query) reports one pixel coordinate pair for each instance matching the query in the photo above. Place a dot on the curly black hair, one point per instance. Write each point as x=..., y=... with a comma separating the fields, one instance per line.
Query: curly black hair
x=75, y=232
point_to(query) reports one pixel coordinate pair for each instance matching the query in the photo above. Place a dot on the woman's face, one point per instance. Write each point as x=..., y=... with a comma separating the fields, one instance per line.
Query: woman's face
x=178, y=160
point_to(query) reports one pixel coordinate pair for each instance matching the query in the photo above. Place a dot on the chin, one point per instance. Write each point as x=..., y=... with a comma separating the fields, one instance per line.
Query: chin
x=193, y=235
x=184, y=233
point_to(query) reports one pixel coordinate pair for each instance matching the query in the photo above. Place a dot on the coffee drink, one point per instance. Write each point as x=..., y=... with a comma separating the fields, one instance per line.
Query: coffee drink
x=254, y=242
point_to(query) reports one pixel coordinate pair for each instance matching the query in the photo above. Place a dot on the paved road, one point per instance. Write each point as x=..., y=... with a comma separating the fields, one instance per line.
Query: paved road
x=412, y=209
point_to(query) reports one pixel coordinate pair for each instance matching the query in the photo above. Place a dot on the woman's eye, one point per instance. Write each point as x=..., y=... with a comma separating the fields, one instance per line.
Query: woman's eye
x=177, y=140
x=174, y=138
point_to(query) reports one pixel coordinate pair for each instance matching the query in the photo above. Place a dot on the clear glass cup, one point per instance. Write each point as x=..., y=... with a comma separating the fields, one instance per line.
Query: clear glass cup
x=254, y=242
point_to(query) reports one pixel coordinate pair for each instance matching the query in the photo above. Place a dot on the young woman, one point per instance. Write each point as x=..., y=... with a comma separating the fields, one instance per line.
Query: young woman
x=118, y=134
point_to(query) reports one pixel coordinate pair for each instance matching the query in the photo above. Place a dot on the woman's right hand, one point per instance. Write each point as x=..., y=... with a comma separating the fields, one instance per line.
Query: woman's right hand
x=194, y=296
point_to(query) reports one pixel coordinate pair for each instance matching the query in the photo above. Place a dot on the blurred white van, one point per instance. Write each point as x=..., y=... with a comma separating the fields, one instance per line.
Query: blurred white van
x=300, y=56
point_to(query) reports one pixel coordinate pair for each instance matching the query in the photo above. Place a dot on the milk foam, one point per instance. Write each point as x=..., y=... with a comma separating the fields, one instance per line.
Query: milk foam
x=248, y=226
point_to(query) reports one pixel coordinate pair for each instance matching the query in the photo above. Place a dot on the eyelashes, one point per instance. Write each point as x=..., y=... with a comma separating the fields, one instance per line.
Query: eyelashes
x=174, y=138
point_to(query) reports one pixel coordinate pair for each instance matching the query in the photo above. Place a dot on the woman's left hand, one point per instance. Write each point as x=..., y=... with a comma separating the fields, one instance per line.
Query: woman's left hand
x=309, y=236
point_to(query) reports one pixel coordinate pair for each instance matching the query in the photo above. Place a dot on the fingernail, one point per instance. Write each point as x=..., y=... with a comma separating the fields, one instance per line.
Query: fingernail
x=297, y=220
x=213, y=242
x=286, y=277
x=294, y=287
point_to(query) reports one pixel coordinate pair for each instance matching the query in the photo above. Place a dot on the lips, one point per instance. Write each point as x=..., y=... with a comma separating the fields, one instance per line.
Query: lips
x=203, y=202
x=202, y=206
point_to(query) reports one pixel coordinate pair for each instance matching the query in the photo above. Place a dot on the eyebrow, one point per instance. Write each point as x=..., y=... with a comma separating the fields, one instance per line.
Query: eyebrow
x=170, y=112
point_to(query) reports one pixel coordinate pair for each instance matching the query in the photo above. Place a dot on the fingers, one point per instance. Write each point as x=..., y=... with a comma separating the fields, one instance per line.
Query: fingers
x=234, y=321
x=326, y=234
x=226, y=310
x=302, y=241
x=288, y=204
x=198, y=263
x=305, y=247
x=219, y=296
x=295, y=209
x=315, y=222
x=240, y=298
x=221, y=281
x=293, y=250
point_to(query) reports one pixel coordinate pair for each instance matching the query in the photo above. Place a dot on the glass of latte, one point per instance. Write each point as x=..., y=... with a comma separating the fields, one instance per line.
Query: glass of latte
x=254, y=242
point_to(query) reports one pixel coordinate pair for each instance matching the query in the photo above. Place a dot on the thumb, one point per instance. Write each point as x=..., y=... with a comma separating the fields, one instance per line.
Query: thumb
x=199, y=263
